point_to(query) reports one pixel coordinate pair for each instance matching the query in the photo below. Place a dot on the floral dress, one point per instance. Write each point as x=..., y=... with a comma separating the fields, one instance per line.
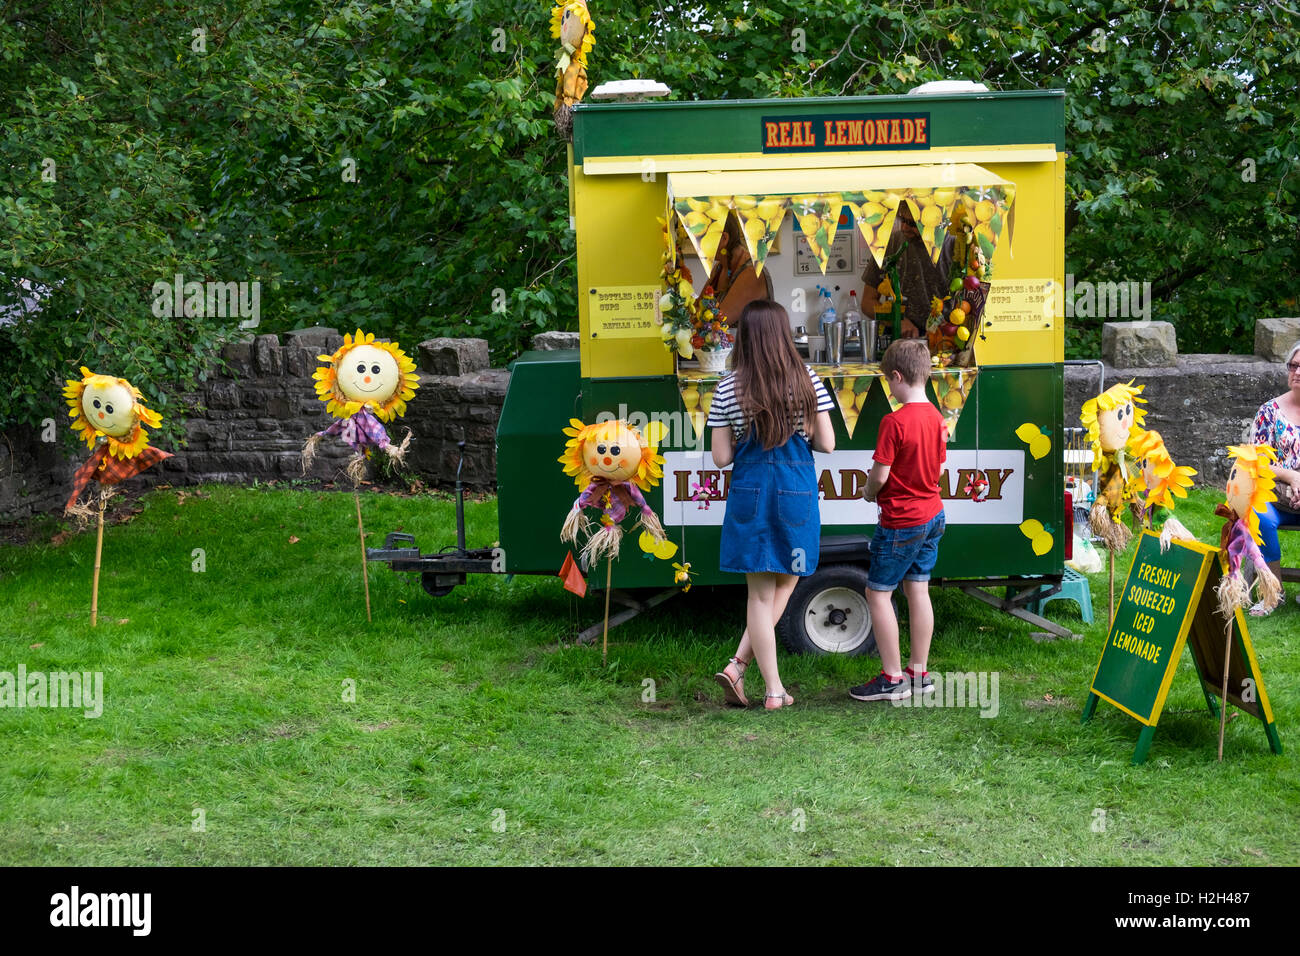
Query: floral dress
x=1274, y=429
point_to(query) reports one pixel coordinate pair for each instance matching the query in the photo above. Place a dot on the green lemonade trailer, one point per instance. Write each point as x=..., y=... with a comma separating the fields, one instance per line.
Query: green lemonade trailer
x=815, y=185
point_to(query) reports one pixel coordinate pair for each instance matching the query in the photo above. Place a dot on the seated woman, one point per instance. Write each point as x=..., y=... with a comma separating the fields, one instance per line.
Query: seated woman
x=1277, y=424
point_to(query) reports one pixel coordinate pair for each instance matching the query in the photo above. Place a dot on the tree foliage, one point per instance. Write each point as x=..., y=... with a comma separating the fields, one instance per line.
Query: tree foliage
x=393, y=165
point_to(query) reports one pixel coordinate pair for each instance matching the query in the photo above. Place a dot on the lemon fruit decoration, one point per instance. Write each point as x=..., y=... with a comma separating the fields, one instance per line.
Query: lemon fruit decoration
x=656, y=548
x=952, y=389
x=818, y=218
x=851, y=395
x=110, y=416
x=1039, y=442
x=1157, y=483
x=761, y=219
x=705, y=221
x=1040, y=537
x=874, y=219
x=571, y=25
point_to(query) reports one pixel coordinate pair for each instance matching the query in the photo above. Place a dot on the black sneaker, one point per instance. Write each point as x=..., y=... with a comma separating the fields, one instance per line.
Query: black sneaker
x=881, y=687
x=920, y=685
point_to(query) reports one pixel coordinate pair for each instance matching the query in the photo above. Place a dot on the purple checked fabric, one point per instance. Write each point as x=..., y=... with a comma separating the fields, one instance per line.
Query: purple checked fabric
x=623, y=496
x=362, y=432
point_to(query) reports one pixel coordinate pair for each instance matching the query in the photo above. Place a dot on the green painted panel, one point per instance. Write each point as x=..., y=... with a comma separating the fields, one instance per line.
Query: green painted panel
x=535, y=495
x=533, y=492
x=735, y=126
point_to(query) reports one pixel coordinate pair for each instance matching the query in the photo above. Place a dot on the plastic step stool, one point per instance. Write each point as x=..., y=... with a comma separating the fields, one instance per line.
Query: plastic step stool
x=1074, y=587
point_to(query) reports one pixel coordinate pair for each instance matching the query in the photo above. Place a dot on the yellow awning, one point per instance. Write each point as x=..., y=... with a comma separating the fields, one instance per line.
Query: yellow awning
x=839, y=179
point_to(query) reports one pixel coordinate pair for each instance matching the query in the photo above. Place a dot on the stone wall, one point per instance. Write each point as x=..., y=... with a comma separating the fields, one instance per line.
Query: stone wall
x=250, y=423
x=1200, y=404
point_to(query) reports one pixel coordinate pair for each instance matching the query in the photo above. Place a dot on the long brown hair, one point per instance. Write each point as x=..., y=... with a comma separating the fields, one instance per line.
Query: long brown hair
x=772, y=384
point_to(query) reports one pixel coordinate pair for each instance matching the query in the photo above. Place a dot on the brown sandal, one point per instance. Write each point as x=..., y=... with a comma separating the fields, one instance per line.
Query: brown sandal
x=733, y=691
x=785, y=699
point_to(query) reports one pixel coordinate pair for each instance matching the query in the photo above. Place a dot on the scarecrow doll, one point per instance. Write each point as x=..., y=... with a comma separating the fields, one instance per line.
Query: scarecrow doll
x=1249, y=492
x=109, y=415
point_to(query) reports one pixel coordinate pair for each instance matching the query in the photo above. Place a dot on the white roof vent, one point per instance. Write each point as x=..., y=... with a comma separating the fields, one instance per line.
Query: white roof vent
x=949, y=86
x=629, y=91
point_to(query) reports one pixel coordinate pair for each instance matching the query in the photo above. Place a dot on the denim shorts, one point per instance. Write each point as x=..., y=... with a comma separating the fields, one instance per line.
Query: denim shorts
x=904, y=554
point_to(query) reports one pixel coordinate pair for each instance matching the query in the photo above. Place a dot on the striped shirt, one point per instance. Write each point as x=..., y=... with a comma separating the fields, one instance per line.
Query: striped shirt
x=726, y=409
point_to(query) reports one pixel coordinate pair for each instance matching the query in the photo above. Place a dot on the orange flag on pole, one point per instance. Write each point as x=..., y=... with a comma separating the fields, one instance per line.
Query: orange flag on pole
x=572, y=576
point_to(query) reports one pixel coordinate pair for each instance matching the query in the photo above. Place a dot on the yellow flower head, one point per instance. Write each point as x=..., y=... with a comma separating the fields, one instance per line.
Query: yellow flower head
x=613, y=450
x=1112, y=418
x=110, y=410
x=1157, y=474
x=567, y=19
x=363, y=372
x=1250, y=484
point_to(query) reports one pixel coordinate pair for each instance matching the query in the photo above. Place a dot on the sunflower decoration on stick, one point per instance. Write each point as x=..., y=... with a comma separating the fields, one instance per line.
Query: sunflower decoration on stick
x=1113, y=419
x=363, y=384
x=1156, y=483
x=612, y=463
x=1249, y=492
x=110, y=416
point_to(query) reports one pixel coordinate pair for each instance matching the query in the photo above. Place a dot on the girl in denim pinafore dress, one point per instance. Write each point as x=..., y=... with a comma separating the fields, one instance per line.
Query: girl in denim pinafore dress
x=766, y=418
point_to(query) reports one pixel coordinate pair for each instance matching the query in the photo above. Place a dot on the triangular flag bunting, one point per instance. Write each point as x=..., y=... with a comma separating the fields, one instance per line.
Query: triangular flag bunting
x=851, y=394
x=818, y=218
x=952, y=388
x=704, y=221
x=761, y=221
x=697, y=389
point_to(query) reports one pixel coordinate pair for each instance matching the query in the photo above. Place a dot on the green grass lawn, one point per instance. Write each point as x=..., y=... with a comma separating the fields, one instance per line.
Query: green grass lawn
x=480, y=735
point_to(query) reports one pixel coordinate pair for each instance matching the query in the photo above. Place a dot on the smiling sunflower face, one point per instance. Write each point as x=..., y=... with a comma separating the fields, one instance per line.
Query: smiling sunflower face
x=1249, y=489
x=365, y=373
x=613, y=450
x=1112, y=418
x=368, y=374
x=613, y=453
x=110, y=410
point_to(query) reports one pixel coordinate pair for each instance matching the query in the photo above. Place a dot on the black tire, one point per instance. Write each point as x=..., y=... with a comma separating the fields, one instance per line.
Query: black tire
x=827, y=613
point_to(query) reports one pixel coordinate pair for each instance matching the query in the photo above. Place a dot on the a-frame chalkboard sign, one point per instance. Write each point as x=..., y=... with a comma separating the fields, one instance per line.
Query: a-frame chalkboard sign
x=1168, y=600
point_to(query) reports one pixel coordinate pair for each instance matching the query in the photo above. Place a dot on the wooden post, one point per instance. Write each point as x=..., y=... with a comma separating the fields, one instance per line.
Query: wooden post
x=365, y=576
x=1110, y=560
x=604, y=640
x=99, y=548
x=1223, y=709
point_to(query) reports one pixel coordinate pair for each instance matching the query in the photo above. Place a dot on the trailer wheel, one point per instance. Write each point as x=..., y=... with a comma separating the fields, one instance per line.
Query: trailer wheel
x=828, y=614
x=438, y=583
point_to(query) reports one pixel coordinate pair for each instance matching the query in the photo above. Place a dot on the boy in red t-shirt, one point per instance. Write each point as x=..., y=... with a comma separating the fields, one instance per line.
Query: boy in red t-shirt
x=910, y=448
